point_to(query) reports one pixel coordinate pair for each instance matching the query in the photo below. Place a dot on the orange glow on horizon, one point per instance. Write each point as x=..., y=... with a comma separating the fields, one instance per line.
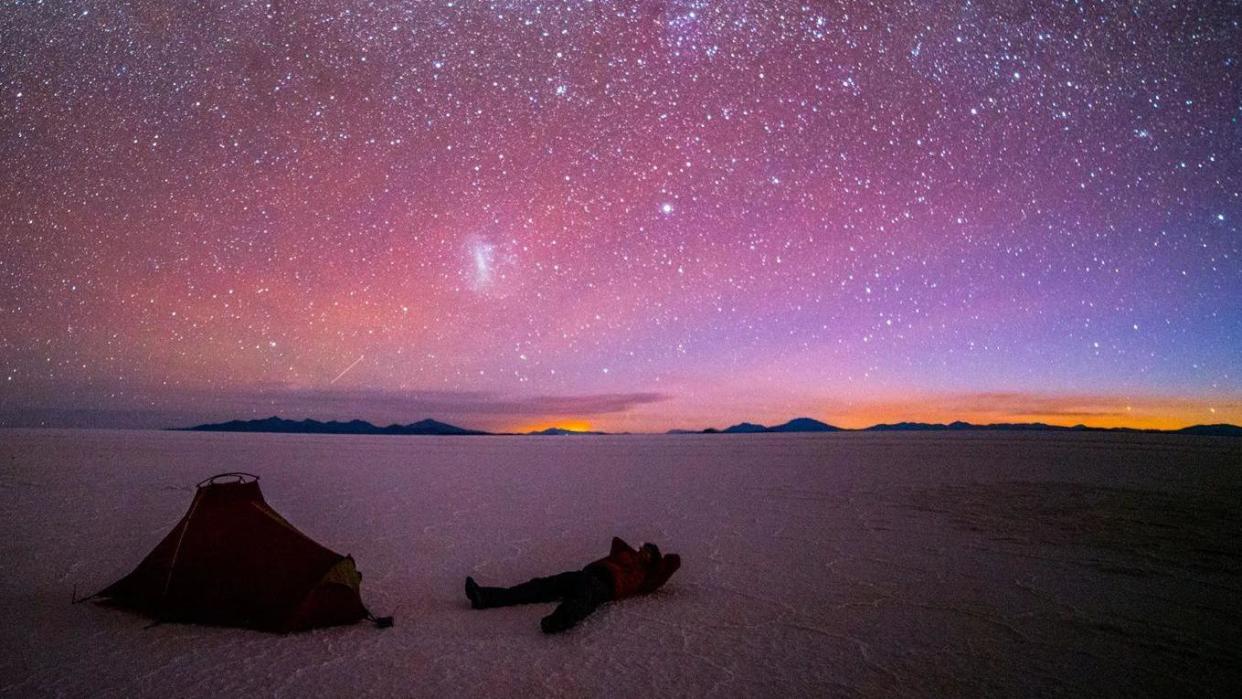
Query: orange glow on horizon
x=866, y=418
x=573, y=424
x=1145, y=412
x=1105, y=411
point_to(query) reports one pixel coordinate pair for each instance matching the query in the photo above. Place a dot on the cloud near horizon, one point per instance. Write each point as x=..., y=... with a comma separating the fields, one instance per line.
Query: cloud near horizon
x=478, y=409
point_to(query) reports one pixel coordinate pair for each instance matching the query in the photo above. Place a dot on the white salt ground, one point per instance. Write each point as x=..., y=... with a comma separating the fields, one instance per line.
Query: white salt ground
x=816, y=565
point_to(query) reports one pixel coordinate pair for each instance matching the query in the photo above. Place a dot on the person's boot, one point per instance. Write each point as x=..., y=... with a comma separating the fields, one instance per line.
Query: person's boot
x=556, y=623
x=475, y=594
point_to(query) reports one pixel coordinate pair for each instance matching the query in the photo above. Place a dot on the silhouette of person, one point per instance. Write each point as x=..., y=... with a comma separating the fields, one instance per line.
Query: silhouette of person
x=624, y=572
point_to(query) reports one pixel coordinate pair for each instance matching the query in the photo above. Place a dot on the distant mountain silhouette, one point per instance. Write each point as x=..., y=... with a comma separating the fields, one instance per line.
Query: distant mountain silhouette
x=559, y=431
x=804, y=424
x=962, y=426
x=281, y=425
x=744, y=427
x=1219, y=430
x=798, y=424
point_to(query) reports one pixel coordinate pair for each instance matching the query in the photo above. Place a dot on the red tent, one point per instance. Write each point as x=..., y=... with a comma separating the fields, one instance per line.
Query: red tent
x=233, y=561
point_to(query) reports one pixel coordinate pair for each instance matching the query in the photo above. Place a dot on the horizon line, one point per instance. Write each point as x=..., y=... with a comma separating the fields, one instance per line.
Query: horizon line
x=931, y=426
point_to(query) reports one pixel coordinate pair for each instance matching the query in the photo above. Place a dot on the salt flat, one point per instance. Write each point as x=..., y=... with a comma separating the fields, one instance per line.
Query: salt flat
x=981, y=564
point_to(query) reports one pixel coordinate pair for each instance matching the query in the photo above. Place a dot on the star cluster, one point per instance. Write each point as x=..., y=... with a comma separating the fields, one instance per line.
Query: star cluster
x=638, y=214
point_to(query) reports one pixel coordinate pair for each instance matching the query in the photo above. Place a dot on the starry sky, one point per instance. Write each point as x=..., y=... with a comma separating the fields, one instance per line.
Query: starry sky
x=620, y=215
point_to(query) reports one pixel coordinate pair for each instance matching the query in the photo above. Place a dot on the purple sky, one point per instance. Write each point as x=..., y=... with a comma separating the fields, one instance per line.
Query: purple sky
x=624, y=215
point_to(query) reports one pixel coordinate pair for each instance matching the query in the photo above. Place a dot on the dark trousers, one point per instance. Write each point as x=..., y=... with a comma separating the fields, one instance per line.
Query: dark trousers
x=579, y=592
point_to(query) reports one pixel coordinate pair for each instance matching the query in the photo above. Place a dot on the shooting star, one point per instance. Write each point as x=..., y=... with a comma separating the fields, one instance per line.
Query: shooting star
x=351, y=366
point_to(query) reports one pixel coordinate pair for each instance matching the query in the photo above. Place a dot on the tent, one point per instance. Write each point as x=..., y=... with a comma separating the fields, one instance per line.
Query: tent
x=233, y=561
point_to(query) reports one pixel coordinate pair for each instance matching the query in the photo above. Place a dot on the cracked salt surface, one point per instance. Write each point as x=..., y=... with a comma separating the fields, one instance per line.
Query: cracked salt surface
x=843, y=564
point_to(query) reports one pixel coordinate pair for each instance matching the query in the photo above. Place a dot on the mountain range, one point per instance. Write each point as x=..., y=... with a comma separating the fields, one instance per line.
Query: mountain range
x=1219, y=430
x=801, y=424
x=278, y=424
x=798, y=424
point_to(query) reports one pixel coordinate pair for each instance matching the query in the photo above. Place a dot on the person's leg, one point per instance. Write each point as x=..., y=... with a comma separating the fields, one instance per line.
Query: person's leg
x=589, y=592
x=547, y=589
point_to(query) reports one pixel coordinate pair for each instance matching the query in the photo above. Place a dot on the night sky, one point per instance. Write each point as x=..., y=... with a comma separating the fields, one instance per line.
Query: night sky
x=628, y=216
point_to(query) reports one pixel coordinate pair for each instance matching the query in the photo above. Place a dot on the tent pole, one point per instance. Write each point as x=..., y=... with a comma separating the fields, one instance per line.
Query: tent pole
x=177, y=551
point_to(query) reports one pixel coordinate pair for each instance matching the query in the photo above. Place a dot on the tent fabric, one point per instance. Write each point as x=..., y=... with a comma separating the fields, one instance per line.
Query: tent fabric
x=234, y=561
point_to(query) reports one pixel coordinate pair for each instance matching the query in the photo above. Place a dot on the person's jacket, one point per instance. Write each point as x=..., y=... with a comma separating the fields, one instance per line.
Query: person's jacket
x=629, y=575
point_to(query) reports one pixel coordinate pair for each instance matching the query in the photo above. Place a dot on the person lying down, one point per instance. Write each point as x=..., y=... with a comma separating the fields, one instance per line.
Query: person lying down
x=624, y=572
